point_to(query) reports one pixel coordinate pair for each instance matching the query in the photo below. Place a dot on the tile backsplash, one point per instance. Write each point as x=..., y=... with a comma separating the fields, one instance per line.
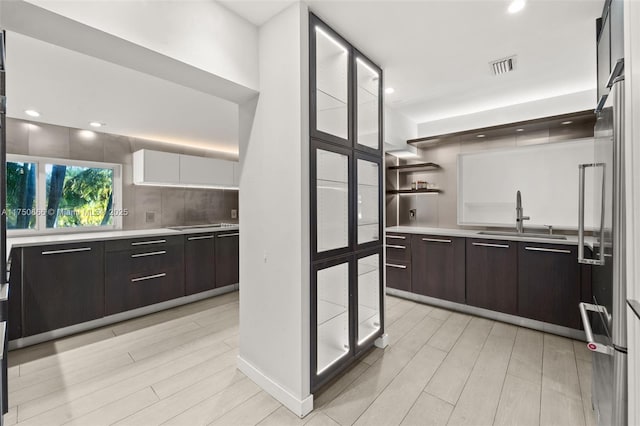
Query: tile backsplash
x=148, y=207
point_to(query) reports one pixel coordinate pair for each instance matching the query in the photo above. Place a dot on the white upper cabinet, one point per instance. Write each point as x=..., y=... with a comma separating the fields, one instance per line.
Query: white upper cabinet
x=155, y=167
x=168, y=169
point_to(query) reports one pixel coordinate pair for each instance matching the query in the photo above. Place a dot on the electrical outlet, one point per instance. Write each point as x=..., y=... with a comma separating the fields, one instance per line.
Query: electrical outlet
x=412, y=214
x=150, y=217
x=234, y=214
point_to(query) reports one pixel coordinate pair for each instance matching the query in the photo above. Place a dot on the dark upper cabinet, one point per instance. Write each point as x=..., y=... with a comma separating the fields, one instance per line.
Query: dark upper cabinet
x=62, y=285
x=492, y=275
x=227, y=258
x=368, y=101
x=549, y=285
x=438, y=267
x=199, y=263
x=143, y=272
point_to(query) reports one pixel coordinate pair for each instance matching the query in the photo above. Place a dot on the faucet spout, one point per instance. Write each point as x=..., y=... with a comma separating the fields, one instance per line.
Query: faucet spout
x=519, y=214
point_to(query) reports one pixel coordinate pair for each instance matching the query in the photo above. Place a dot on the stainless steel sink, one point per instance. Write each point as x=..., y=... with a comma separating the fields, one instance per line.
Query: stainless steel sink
x=523, y=234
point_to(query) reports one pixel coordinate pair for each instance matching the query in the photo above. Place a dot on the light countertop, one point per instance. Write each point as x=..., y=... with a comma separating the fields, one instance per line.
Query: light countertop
x=474, y=233
x=42, y=240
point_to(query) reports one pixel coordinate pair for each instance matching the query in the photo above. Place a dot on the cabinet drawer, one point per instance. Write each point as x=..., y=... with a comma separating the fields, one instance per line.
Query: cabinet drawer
x=144, y=244
x=398, y=251
x=149, y=259
x=398, y=239
x=398, y=275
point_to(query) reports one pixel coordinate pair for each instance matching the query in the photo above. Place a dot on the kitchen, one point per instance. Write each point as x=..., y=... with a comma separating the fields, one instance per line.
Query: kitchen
x=313, y=267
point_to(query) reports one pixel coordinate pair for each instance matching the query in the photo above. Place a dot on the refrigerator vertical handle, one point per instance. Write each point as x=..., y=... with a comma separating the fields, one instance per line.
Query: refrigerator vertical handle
x=581, y=258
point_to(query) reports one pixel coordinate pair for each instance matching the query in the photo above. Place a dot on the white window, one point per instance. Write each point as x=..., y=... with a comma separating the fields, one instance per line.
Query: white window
x=49, y=195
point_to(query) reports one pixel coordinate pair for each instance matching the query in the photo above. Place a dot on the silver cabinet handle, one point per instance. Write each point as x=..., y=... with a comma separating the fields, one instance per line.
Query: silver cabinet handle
x=3, y=332
x=202, y=237
x=148, y=277
x=152, y=253
x=592, y=345
x=548, y=250
x=398, y=237
x=229, y=235
x=581, y=258
x=144, y=243
x=491, y=245
x=4, y=292
x=396, y=247
x=393, y=265
x=435, y=240
x=76, y=250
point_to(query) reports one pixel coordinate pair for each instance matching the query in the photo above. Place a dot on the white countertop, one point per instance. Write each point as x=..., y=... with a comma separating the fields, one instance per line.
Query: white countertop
x=42, y=240
x=474, y=233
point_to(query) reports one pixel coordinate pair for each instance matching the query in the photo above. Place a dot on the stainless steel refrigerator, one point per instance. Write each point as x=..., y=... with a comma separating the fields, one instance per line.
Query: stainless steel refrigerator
x=604, y=320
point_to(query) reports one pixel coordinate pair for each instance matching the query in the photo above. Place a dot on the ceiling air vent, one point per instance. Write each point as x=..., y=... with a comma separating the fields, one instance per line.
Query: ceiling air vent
x=503, y=66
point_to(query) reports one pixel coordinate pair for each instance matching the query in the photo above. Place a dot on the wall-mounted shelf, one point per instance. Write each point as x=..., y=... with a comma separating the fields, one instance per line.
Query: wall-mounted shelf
x=415, y=191
x=406, y=168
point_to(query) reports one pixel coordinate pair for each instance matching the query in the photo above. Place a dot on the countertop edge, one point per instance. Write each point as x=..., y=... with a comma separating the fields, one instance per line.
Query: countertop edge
x=474, y=233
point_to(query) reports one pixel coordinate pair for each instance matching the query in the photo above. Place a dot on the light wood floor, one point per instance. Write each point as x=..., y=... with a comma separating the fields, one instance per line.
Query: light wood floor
x=178, y=367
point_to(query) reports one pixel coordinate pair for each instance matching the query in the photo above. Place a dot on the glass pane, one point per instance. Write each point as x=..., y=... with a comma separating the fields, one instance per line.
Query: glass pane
x=368, y=90
x=332, y=69
x=368, y=297
x=332, y=315
x=78, y=196
x=333, y=200
x=368, y=207
x=21, y=195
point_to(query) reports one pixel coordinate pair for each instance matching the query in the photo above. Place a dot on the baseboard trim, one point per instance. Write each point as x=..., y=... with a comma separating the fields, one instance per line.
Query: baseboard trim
x=493, y=315
x=299, y=407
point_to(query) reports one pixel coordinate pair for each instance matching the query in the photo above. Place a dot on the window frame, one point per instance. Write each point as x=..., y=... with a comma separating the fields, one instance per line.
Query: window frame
x=41, y=194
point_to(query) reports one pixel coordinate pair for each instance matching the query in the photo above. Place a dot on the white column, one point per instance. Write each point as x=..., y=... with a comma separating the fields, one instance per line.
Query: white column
x=274, y=213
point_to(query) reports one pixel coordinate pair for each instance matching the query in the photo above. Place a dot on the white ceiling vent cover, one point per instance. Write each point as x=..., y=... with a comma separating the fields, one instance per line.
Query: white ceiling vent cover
x=503, y=66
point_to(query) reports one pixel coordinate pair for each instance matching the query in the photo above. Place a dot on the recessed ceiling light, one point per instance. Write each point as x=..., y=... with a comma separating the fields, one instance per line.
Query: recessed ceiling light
x=564, y=123
x=519, y=130
x=516, y=6
x=389, y=90
x=32, y=113
x=481, y=136
x=96, y=124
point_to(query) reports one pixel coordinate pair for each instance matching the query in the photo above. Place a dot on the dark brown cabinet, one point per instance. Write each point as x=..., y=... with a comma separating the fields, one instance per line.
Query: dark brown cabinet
x=15, y=294
x=438, y=267
x=143, y=272
x=492, y=275
x=199, y=263
x=62, y=285
x=549, y=285
x=227, y=265
x=398, y=266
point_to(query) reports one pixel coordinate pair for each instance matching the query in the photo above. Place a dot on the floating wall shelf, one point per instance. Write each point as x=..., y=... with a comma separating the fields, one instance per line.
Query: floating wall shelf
x=406, y=168
x=415, y=191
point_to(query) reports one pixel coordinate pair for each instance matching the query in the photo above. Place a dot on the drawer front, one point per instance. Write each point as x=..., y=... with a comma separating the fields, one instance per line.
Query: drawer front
x=398, y=250
x=143, y=277
x=398, y=275
x=144, y=244
x=398, y=239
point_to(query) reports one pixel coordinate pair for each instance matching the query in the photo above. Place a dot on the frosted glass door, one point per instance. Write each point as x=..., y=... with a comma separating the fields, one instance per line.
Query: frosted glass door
x=332, y=84
x=368, y=297
x=332, y=206
x=368, y=109
x=332, y=338
x=368, y=201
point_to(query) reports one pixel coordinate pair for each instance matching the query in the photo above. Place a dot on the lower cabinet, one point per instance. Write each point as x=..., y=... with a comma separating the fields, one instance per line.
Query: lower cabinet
x=62, y=285
x=227, y=263
x=143, y=272
x=199, y=263
x=438, y=267
x=492, y=275
x=398, y=275
x=15, y=295
x=549, y=286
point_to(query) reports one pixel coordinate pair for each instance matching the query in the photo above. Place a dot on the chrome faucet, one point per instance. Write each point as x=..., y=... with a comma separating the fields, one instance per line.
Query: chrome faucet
x=519, y=218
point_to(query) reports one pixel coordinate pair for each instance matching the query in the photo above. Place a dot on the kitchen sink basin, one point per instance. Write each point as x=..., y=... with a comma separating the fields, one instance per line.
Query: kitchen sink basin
x=523, y=234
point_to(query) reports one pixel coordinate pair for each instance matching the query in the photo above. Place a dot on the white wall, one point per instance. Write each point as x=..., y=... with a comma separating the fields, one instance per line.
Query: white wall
x=578, y=101
x=398, y=128
x=274, y=212
x=201, y=33
x=632, y=135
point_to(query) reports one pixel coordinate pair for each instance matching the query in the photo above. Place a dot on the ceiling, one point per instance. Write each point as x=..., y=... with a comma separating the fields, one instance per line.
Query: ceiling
x=72, y=89
x=436, y=53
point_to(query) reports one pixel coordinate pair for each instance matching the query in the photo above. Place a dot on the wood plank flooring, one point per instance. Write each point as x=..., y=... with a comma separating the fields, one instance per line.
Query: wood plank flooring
x=177, y=367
